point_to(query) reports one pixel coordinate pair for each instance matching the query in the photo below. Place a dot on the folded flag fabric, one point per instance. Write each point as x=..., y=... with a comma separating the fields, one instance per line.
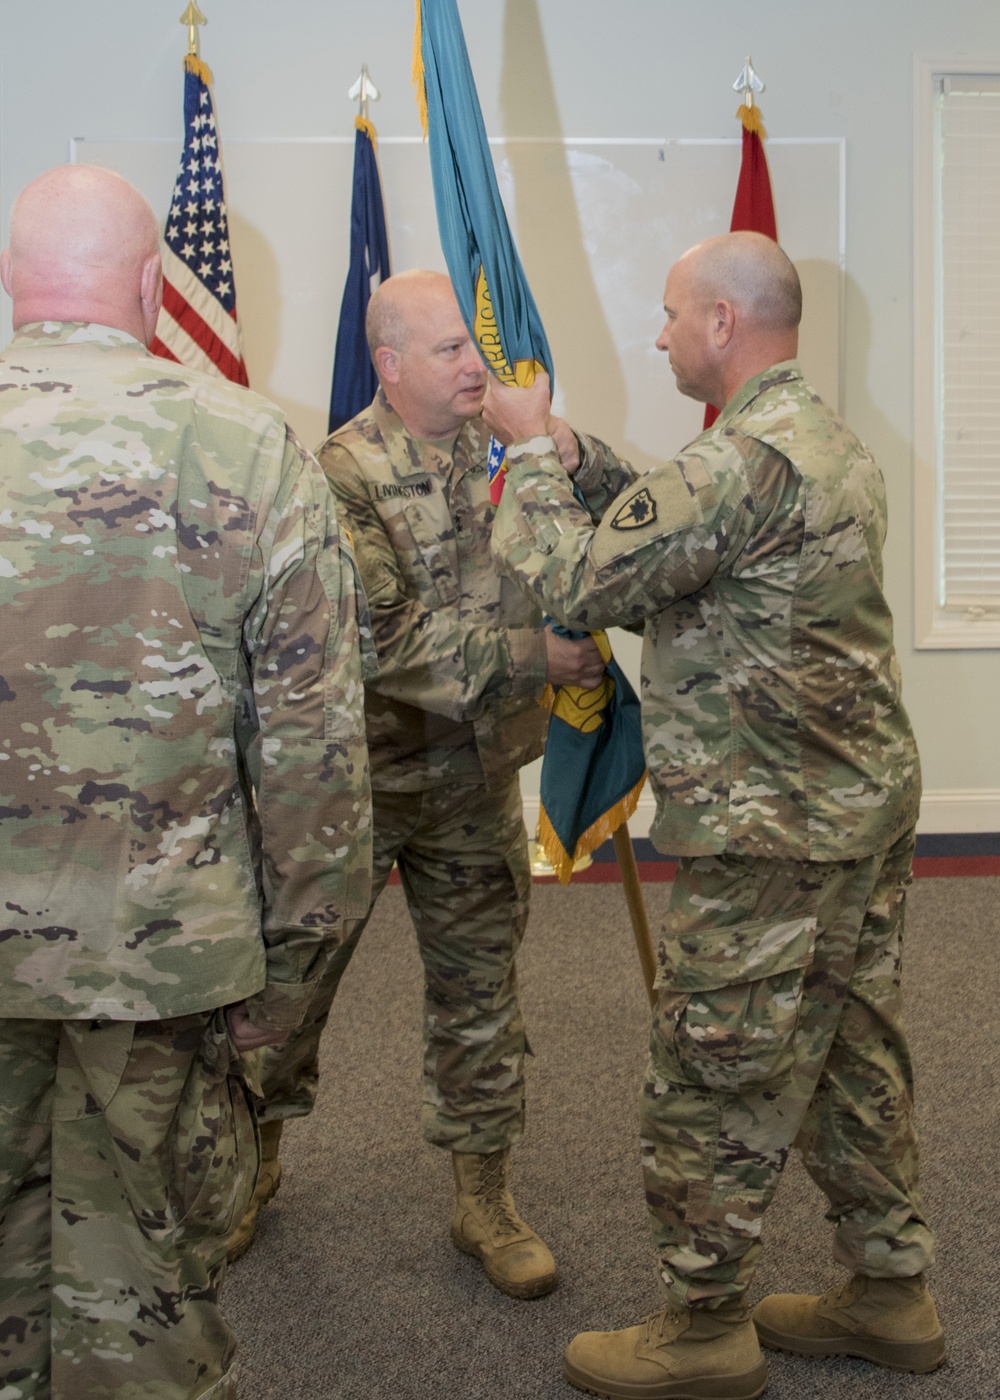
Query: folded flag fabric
x=354, y=379
x=753, y=207
x=479, y=250
x=594, y=768
x=197, y=325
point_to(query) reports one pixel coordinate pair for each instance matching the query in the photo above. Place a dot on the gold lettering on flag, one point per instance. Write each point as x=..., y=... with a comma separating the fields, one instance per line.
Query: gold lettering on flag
x=487, y=337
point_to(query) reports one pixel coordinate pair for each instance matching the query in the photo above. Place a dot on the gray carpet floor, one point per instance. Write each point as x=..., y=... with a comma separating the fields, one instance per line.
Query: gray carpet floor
x=354, y=1290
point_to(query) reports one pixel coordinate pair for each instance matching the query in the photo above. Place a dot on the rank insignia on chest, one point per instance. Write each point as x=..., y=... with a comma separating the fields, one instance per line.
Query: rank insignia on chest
x=639, y=511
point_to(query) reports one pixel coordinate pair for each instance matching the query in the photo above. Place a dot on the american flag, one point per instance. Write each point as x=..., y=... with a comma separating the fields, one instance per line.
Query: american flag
x=197, y=325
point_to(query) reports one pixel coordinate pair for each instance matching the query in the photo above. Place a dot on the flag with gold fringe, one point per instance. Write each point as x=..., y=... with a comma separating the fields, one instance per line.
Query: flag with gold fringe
x=354, y=379
x=486, y=272
x=594, y=768
x=197, y=325
x=753, y=207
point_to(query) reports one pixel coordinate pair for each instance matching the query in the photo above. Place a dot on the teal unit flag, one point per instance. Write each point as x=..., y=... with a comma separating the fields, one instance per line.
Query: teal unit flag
x=486, y=272
x=594, y=768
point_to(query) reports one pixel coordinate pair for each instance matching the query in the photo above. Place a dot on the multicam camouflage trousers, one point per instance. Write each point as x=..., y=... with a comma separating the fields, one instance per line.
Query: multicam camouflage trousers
x=462, y=856
x=127, y=1151
x=778, y=1023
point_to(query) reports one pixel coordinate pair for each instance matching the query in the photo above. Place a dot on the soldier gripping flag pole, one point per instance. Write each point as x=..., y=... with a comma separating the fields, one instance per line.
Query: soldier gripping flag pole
x=593, y=768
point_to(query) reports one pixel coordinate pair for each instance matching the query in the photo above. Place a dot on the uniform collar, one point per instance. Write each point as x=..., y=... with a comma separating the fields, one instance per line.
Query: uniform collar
x=782, y=373
x=403, y=449
x=39, y=333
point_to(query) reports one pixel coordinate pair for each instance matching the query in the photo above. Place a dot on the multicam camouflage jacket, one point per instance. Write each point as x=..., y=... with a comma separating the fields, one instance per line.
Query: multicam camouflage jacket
x=772, y=717
x=184, y=803
x=461, y=656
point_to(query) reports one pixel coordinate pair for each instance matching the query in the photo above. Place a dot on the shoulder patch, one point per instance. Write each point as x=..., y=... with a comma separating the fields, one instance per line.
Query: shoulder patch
x=659, y=504
x=638, y=511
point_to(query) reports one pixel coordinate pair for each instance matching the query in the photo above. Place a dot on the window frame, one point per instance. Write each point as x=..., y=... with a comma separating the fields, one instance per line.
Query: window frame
x=934, y=626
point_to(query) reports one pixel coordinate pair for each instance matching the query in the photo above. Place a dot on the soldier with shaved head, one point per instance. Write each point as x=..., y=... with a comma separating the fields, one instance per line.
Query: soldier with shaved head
x=787, y=782
x=452, y=715
x=184, y=802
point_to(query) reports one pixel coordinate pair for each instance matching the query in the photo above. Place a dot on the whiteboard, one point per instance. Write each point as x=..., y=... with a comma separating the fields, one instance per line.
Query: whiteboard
x=597, y=223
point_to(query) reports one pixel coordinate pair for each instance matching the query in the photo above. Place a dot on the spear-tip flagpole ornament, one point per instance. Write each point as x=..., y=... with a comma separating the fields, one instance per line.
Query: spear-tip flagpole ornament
x=747, y=84
x=363, y=92
x=193, y=17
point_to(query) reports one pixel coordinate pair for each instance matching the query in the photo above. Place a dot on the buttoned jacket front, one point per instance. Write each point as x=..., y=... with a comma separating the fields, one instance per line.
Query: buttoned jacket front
x=461, y=653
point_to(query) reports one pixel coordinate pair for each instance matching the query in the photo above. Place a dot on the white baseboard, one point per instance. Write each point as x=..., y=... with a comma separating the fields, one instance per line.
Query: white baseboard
x=941, y=813
x=961, y=809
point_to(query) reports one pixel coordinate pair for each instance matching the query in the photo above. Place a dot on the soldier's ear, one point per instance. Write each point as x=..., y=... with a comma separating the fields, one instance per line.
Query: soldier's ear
x=150, y=295
x=723, y=323
x=387, y=364
x=5, y=271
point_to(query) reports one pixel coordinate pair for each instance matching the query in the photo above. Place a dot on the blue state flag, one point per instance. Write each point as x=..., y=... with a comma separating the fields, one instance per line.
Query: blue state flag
x=354, y=378
x=486, y=272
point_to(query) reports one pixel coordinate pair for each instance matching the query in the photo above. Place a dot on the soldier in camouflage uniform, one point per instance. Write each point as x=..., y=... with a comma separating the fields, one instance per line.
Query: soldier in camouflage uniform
x=184, y=803
x=787, y=781
x=452, y=716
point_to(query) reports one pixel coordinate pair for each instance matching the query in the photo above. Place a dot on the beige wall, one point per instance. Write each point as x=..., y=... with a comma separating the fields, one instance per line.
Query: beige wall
x=637, y=68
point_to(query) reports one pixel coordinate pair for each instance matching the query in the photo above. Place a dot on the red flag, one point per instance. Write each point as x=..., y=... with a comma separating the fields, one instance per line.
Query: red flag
x=197, y=325
x=753, y=207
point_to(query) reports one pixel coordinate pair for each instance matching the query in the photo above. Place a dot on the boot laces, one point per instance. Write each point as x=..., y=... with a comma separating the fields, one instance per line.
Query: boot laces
x=660, y=1323
x=843, y=1295
x=492, y=1192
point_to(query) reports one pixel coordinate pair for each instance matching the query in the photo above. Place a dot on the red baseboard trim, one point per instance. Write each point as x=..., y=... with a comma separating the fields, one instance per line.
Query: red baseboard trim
x=654, y=872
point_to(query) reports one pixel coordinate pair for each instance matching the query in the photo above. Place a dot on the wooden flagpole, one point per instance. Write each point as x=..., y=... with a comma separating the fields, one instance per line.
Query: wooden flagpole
x=636, y=907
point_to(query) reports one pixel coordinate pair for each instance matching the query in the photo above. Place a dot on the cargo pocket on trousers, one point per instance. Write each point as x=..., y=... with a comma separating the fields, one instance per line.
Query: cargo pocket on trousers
x=729, y=1003
x=214, y=1144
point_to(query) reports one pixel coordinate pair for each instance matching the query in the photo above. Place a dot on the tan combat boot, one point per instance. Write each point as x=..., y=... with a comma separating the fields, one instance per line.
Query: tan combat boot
x=486, y=1224
x=674, y=1354
x=891, y=1321
x=268, y=1181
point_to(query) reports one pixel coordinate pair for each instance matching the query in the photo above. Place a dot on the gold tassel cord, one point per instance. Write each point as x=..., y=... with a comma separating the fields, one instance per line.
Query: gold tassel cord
x=558, y=858
x=193, y=64
x=607, y=824
x=752, y=120
x=363, y=124
x=419, y=78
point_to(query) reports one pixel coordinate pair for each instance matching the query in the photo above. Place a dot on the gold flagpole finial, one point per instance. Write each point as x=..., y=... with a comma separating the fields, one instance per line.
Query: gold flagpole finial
x=193, y=17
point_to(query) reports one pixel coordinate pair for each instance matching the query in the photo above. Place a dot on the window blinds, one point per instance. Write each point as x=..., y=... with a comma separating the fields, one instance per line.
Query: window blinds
x=968, y=349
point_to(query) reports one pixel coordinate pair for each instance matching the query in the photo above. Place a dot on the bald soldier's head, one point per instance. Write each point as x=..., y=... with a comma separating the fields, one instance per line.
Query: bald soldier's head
x=84, y=246
x=429, y=369
x=733, y=308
